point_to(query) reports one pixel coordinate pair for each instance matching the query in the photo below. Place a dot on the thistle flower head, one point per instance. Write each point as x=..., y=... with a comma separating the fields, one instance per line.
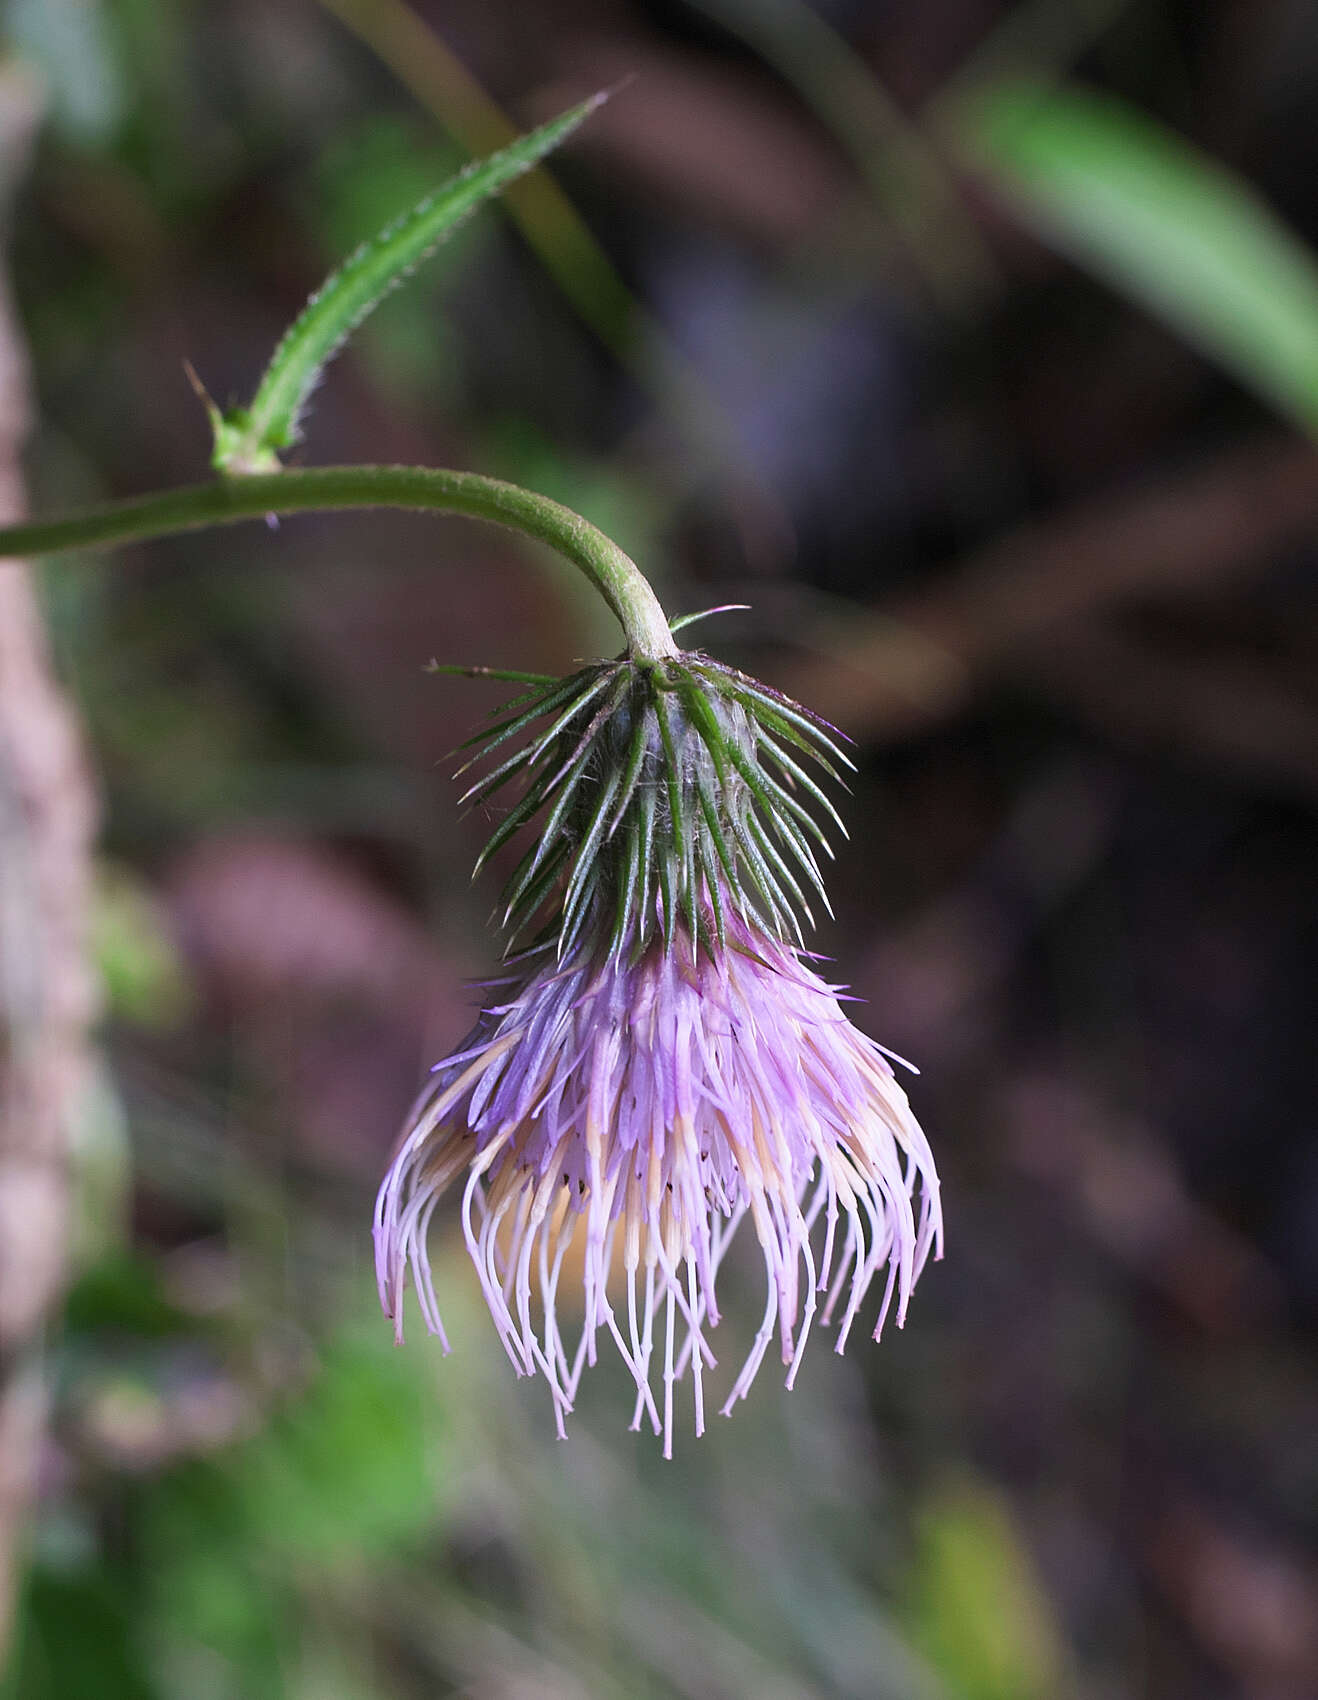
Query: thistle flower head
x=663, y=1060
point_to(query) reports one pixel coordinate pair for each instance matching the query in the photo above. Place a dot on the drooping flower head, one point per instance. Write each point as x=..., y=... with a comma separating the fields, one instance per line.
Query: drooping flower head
x=662, y=1060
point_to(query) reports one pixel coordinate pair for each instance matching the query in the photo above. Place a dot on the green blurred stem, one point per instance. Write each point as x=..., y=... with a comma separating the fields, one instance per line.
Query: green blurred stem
x=1038, y=39
x=552, y=226
x=431, y=489
x=904, y=172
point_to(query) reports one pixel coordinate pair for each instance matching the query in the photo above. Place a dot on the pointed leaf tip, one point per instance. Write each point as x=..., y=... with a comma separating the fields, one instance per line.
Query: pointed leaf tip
x=249, y=439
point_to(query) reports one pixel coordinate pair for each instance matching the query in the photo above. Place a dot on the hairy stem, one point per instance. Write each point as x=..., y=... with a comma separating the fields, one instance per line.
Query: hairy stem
x=432, y=489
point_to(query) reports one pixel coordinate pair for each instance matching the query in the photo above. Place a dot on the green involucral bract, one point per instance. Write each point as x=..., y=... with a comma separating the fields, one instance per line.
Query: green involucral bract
x=666, y=793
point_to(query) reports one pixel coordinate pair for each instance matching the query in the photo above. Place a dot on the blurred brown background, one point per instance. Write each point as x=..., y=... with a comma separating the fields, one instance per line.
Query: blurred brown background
x=1051, y=567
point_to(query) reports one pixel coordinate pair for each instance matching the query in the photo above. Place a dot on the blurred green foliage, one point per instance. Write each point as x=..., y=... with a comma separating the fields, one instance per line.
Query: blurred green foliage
x=978, y=1609
x=141, y=971
x=235, y=1556
x=1190, y=241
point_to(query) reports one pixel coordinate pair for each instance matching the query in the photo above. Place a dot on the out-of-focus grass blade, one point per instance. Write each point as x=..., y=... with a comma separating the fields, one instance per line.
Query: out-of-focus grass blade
x=1188, y=239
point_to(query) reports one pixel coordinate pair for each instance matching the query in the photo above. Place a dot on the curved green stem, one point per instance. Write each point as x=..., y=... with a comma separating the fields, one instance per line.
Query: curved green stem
x=433, y=489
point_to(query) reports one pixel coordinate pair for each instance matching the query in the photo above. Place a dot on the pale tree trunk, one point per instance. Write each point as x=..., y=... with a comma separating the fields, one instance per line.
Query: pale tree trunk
x=47, y=813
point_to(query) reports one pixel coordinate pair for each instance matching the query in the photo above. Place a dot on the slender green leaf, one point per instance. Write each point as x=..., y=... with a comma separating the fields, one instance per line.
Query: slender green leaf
x=794, y=771
x=1180, y=234
x=640, y=739
x=249, y=439
x=712, y=883
x=512, y=823
x=623, y=910
x=777, y=910
x=531, y=892
x=723, y=608
x=757, y=833
x=528, y=754
x=704, y=720
x=672, y=771
x=764, y=703
x=584, y=867
x=458, y=670
x=649, y=806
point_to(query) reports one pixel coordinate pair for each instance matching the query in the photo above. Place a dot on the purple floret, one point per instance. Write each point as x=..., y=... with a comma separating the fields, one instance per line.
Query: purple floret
x=647, y=1106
